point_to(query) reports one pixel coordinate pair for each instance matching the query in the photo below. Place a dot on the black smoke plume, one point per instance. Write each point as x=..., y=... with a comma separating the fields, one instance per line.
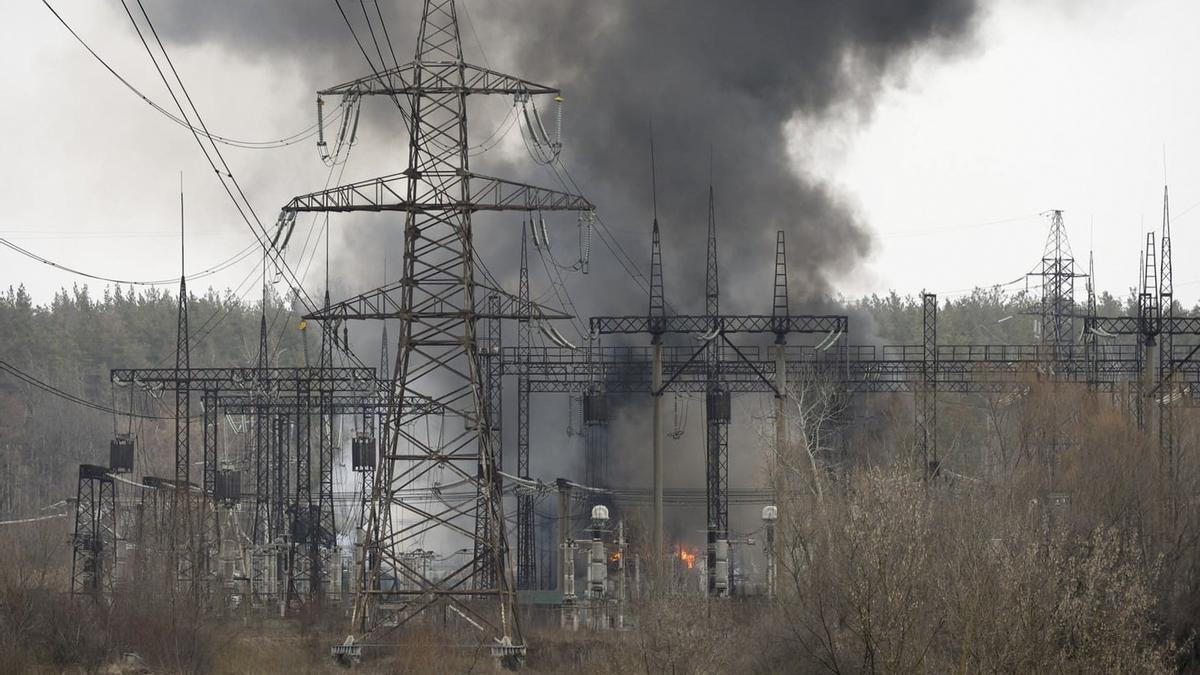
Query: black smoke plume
x=727, y=86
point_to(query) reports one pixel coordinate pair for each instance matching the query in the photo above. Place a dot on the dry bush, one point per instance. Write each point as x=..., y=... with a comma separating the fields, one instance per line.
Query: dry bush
x=895, y=576
x=1072, y=555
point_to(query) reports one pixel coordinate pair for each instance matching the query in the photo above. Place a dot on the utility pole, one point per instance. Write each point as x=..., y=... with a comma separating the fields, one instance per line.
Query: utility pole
x=657, y=316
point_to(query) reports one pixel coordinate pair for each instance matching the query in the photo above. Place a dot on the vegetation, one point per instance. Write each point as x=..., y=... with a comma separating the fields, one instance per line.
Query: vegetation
x=1050, y=541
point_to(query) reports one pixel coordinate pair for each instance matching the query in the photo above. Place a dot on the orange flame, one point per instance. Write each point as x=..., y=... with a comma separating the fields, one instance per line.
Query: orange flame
x=615, y=557
x=687, y=557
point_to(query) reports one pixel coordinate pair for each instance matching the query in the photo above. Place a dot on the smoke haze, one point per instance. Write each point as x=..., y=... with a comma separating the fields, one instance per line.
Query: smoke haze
x=720, y=82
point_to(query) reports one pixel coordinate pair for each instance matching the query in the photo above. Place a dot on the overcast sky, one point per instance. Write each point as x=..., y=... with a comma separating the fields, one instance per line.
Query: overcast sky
x=1050, y=105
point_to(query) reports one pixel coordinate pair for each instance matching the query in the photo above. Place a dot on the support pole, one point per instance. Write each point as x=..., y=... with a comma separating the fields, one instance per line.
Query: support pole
x=926, y=408
x=564, y=529
x=781, y=435
x=780, y=310
x=526, y=544
x=657, y=323
x=656, y=383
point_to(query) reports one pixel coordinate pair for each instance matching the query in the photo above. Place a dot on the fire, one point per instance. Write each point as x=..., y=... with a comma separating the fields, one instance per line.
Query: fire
x=615, y=557
x=687, y=557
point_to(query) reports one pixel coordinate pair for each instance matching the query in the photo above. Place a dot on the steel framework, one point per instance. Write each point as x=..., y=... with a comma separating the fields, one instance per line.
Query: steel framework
x=438, y=357
x=94, y=544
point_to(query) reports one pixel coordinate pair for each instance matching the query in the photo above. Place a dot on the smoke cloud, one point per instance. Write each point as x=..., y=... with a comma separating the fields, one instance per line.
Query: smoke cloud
x=725, y=85
x=720, y=82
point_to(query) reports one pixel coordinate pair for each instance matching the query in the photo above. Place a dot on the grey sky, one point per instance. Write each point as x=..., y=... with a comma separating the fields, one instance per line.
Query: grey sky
x=1044, y=105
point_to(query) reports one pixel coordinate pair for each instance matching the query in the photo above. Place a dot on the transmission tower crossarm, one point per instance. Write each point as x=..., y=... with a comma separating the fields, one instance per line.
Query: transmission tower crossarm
x=386, y=302
x=436, y=78
x=437, y=191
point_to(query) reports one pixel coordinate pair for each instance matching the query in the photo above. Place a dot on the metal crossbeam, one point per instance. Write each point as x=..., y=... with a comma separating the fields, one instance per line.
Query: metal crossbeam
x=428, y=78
x=799, y=324
x=1132, y=325
x=437, y=191
x=245, y=378
x=961, y=368
x=387, y=302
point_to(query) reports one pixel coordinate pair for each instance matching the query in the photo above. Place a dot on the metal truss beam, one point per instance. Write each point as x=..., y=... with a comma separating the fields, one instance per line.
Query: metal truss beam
x=245, y=378
x=447, y=77
x=799, y=324
x=439, y=191
x=387, y=302
x=1132, y=325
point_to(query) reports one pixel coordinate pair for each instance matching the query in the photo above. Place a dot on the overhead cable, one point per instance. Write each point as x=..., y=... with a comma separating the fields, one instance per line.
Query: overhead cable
x=303, y=134
x=224, y=264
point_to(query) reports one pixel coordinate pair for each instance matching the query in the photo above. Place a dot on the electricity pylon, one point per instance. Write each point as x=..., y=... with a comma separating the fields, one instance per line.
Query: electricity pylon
x=437, y=378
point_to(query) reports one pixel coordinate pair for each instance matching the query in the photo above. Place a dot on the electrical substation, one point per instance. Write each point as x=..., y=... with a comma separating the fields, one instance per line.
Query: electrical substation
x=378, y=488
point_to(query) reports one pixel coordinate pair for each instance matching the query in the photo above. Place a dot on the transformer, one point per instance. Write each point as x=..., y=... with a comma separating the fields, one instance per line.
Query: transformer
x=595, y=408
x=228, y=486
x=120, y=454
x=300, y=525
x=362, y=453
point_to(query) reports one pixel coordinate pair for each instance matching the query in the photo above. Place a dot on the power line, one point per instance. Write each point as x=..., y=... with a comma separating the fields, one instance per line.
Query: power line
x=34, y=519
x=224, y=264
x=240, y=201
x=307, y=132
x=51, y=389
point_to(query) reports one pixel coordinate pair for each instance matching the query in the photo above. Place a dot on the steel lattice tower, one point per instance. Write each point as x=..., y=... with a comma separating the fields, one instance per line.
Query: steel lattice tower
x=526, y=543
x=324, y=535
x=183, y=543
x=1149, y=323
x=780, y=310
x=926, y=423
x=208, y=518
x=94, y=544
x=1166, y=346
x=717, y=404
x=1058, y=291
x=485, y=574
x=438, y=377
x=262, y=528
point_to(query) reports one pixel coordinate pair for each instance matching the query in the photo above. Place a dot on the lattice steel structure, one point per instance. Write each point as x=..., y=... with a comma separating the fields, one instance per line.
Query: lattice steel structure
x=94, y=544
x=717, y=407
x=526, y=532
x=438, y=359
x=183, y=542
x=926, y=404
x=1165, y=391
x=485, y=576
x=1058, y=290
